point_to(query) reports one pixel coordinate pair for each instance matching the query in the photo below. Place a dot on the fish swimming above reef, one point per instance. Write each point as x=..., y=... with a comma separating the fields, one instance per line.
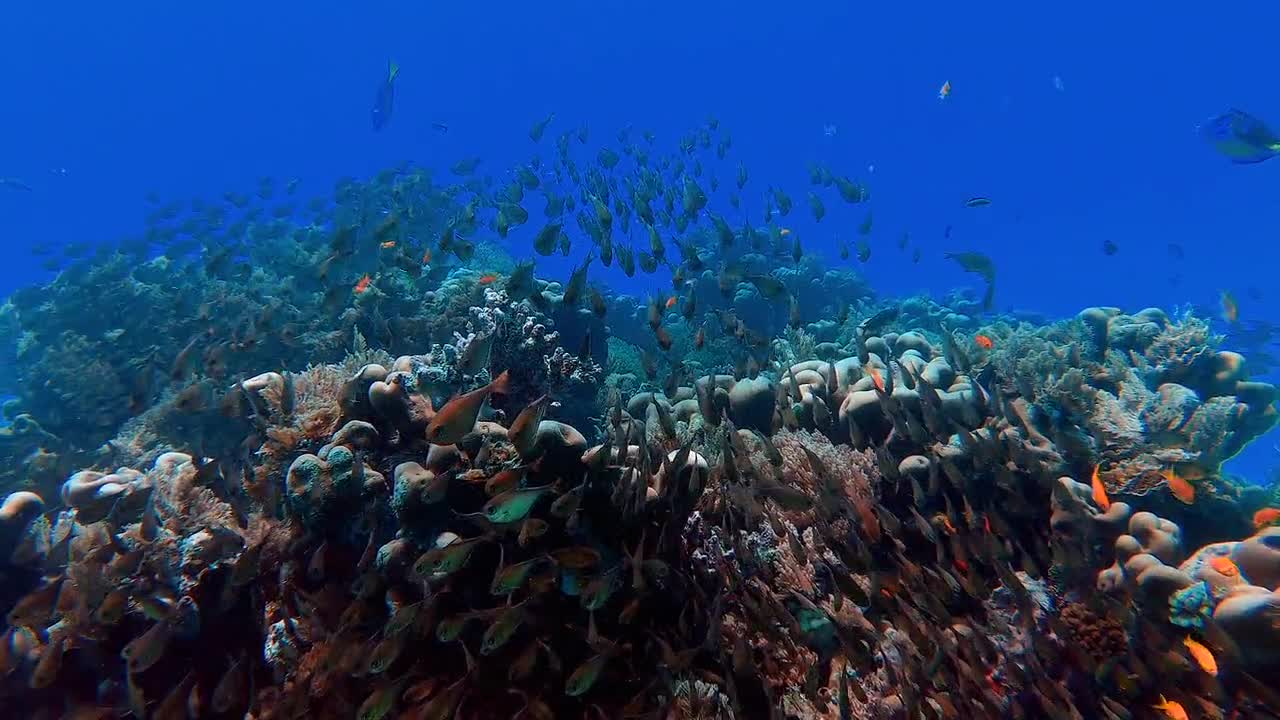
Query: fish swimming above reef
x=981, y=265
x=14, y=183
x=404, y=449
x=1241, y=137
x=385, y=98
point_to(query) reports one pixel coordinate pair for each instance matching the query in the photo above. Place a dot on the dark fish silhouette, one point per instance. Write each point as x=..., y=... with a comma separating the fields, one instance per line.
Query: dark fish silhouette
x=385, y=99
x=1241, y=137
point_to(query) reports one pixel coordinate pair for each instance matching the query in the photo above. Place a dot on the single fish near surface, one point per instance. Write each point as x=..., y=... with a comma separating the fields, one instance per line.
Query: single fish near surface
x=1240, y=137
x=15, y=184
x=384, y=100
x=1230, y=308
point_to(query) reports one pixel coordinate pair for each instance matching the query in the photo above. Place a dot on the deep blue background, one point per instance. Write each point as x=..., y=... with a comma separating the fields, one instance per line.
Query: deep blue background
x=198, y=100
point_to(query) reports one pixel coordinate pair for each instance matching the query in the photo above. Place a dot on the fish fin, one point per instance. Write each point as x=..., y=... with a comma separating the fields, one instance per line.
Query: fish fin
x=501, y=384
x=393, y=69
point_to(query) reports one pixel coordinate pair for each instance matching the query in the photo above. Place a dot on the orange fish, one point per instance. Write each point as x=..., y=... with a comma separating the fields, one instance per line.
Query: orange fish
x=876, y=379
x=426, y=258
x=1224, y=566
x=1181, y=489
x=487, y=279
x=994, y=683
x=1203, y=655
x=671, y=302
x=1172, y=709
x=784, y=232
x=946, y=524
x=870, y=523
x=387, y=245
x=363, y=284
x=945, y=91
x=984, y=342
x=1100, y=492
x=700, y=339
x=1265, y=517
x=1230, y=310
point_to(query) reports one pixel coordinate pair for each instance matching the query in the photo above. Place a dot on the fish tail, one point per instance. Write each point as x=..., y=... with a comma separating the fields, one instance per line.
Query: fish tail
x=393, y=69
x=501, y=384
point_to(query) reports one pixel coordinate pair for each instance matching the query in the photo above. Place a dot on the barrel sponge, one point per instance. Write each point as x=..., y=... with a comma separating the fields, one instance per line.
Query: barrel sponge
x=324, y=490
x=1259, y=558
x=751, y=403
x=93, y=494
x=16, y=514
x=1251, y=616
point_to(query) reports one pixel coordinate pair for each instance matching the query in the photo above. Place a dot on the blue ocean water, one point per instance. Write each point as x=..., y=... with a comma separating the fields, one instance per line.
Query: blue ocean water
x=1078, y=122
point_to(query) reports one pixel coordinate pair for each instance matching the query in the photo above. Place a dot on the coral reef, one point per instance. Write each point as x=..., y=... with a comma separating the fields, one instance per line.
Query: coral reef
x=348, y=461
x=804, y=549
x=1136, y=393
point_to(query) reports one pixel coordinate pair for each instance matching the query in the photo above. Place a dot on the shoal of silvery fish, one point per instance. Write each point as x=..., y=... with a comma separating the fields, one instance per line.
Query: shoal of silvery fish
x=758, y=526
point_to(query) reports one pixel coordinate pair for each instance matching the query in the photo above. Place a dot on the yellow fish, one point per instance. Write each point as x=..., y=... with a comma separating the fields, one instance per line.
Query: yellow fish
x=1181, y=489
x=1202, y=655
x=1100, y=492
x=1224, y=566
x=1172, y=709
x=1230, y=309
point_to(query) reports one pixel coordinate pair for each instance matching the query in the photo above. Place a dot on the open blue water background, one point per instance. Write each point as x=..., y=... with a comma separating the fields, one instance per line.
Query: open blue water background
x=194, y=100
